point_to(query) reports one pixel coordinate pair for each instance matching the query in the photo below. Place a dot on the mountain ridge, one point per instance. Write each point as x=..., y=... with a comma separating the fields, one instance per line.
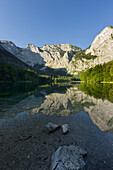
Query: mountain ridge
x=10, y=59
x=67, y=56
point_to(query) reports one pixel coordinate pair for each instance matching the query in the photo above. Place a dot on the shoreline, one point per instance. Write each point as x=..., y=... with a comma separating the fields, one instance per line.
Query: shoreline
x=24, y=145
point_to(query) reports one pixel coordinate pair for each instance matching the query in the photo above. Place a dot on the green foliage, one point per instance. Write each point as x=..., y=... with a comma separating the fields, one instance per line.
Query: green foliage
x=99, y=73
x=110, y=26
x=62, y=53
x=7, y=73
x=81, y=54
x=73, y=46
x=111, y=70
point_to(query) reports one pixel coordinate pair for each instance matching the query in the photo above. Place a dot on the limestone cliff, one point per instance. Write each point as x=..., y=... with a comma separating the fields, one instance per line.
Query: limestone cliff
x=55, y=56
x=67, y=56
x=102, y=45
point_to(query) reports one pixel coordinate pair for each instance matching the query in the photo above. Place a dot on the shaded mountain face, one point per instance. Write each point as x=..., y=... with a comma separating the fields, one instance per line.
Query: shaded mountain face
x=24, y=54
x=10, y=59
x=66, y=56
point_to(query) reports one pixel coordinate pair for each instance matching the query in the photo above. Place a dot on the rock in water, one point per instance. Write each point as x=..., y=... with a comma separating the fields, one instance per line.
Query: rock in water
x=68, y=157
x=65, y=128
x=50, y=127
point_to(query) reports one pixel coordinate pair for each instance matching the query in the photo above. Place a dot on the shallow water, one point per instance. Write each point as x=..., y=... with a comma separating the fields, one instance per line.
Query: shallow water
x=94, y=99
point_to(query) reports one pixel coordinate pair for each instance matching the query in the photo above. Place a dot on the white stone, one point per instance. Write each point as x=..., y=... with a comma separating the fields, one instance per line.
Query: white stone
x=65, y=128
x=50, y=127
x=68, y=157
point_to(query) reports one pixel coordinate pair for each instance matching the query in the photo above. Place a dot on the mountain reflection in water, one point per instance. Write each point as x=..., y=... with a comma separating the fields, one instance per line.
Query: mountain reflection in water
x=95, y=99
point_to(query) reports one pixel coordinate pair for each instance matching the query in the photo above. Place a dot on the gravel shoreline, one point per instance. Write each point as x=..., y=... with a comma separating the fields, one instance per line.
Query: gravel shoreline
x=24, y=145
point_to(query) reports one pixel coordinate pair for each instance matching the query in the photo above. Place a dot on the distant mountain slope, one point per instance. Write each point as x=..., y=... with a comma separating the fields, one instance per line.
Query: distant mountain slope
x=8, y=58
x=53, y=56
x=24, y=54
x=11, y=60
x=66, y=56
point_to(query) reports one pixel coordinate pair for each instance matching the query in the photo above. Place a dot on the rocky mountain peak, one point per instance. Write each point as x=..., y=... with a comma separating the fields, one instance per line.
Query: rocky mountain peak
x=33, y=48
x=9, y=46
x=30, y=46
x=7, y=43
x=67, y=56
x=102, y=45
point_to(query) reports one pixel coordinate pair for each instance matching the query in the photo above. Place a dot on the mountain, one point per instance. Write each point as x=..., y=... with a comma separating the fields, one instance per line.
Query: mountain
x=44, y=59
x=10, y=59
x=71, y=58
x=13, y=61
x=102, y=45
x=56, y=56
x=100, y=51
x=26, y=55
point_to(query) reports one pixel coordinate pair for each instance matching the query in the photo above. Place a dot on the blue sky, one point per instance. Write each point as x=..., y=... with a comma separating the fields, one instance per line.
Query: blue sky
x=42, y=22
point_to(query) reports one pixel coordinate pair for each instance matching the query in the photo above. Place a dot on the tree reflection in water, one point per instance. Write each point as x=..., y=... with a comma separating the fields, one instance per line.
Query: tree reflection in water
x=95, y=99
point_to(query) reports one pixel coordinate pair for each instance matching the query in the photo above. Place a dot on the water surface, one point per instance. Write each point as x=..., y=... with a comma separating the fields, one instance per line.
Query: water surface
x=94, y=99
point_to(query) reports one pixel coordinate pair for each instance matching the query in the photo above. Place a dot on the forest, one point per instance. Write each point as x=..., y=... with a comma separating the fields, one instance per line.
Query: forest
x=7, y=73
x=99, y=73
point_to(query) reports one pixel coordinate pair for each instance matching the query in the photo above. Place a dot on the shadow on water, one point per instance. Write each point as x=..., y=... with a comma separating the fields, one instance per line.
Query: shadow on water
x=12, y=93
x=10, y=89
x=95, y=99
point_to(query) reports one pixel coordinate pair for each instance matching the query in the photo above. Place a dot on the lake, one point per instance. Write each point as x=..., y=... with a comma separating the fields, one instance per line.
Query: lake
x=25, y=109
x=94, y=99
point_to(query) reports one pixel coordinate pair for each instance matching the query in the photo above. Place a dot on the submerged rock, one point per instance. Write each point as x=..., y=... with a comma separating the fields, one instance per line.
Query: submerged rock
x=50, y=127
x=65, y=128
x=68, y=157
